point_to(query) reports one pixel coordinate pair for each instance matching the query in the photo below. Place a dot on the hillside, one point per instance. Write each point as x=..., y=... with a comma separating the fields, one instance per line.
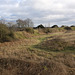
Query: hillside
x=39, y=54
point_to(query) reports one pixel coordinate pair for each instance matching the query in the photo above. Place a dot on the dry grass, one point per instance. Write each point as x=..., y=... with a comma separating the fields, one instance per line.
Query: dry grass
x=21, y=58
x=58, y=42
x=53, y=45
x=57, y=66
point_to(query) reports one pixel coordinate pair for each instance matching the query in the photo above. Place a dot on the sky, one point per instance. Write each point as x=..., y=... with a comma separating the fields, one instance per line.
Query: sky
x=46, y=12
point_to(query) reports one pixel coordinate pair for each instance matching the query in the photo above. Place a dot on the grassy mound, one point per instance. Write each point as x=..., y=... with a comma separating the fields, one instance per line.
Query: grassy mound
x=58, y=66
x=56, y=44
x=6, y=34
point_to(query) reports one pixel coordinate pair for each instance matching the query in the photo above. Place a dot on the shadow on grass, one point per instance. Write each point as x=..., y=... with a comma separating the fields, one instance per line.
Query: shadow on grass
x=55, y=45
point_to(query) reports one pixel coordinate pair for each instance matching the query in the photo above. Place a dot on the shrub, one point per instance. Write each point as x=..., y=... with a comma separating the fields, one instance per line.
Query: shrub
x=72, y=26
x=5, y=33
x=67, y=28
x=29, y=30
x=7, y=39
x=47, y=30
x=40, y=26
x=54, y=26
x=62, y=26
x=11, y=34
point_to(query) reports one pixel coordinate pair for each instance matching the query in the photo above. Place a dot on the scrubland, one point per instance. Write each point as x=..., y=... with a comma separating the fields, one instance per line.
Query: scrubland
x=39, y=54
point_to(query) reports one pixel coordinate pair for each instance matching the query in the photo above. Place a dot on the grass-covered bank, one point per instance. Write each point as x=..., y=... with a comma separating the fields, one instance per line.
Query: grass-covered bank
x=24, y=57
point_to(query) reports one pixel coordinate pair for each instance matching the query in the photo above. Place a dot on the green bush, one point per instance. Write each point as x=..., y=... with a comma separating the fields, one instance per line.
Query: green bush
x=5, y=33
x=29, y=30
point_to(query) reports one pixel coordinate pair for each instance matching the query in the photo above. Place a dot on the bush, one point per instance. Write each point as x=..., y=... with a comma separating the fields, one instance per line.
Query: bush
x=62, y=26
x=7, y=39
x=67, y=28
x=40, y=26
x=72, y=26
x=47, y=30
x=29, y=30
x=5, y=33
x=50, y=30
x=54, y=26
x=11, y=34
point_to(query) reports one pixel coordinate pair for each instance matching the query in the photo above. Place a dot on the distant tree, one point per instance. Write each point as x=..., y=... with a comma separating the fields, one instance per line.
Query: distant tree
x=40, y=26
x=2, y=21
x=72, y=26
x=25, y=23
x=13, y=27
x=62, y=26
x=54, y=26
x=28, y=22
x=10, y=24
x=20, y=23
x=67, y=28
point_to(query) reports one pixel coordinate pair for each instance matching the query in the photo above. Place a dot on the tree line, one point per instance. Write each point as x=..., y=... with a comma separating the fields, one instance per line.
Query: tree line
x=19, y=23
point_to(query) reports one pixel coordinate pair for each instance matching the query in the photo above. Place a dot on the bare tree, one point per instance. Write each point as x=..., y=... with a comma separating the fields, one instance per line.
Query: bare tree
x=10, y=24
x=29, y=22
x=25, y=23
x=20, y=22
x=2, y=21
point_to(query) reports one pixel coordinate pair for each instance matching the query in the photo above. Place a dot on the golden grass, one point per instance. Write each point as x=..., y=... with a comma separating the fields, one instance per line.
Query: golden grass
x=33, y=61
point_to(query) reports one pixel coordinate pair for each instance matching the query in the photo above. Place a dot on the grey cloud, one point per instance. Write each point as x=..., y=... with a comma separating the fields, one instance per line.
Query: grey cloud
x=39, y=10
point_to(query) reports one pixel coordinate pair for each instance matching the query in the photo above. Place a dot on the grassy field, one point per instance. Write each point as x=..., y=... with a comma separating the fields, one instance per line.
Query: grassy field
x=39, y=54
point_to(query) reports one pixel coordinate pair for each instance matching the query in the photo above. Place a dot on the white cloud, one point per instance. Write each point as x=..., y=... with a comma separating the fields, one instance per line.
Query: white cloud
x=40, y=11
x=47, y=5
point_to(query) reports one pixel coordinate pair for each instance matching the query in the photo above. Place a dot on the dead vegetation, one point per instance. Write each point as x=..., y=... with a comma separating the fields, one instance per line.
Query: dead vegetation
x=23, y=58
x=58, y=43
x=62, y=65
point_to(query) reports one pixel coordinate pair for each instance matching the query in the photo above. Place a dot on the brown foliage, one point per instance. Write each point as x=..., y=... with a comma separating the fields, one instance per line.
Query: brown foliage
x=55, y=44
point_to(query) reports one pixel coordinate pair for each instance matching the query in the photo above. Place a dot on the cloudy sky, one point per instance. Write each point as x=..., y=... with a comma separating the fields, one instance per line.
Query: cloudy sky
x=60, y=12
